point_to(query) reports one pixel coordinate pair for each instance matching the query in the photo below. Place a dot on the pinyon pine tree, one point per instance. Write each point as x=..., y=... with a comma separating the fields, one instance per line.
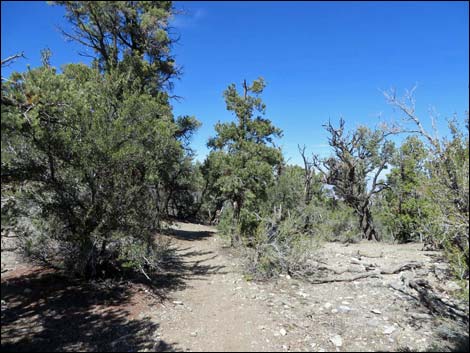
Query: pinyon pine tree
x=246, y=158
x=87, y=151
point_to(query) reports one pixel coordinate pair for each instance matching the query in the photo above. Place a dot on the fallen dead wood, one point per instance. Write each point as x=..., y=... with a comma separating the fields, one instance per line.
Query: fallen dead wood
x=362, y=254
x=401, y=268
x=435, y=304
x=348, y=279
x=356, y=261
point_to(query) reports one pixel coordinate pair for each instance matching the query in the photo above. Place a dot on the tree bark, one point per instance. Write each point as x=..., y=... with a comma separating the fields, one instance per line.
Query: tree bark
x=366, y=224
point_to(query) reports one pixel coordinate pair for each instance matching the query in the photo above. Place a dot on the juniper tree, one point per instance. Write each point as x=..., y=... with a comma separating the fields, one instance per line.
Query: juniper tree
x=448, y=183
x=408, y=206
x=359, y=158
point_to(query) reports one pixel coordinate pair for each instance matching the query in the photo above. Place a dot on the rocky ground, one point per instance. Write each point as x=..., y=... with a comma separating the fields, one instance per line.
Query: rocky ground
x=362, y=299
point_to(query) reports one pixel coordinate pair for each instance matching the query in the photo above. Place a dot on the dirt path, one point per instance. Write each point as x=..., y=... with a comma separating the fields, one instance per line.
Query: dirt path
x=213, y=312
x=219, y=310
x=209, y=306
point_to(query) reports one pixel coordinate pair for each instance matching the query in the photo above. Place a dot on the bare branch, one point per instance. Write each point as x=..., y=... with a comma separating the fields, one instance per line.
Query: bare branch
x=8, y=61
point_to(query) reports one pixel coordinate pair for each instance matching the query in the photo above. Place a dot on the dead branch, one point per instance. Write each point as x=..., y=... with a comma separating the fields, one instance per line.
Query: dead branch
x=361, y=254
x=350, y=279
x=10, y=59
x=434, y=303
x=401, y=268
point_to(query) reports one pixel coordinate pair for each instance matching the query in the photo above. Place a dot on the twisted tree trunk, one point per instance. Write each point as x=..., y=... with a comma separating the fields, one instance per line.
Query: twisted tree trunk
x=366, y=224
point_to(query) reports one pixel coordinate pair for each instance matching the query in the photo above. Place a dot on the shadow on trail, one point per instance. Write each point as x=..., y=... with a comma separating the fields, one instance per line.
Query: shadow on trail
x=44, y=311
x=183, y=265
x=188, y=235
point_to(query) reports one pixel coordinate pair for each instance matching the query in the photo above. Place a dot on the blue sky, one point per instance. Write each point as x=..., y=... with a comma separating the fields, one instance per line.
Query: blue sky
x=321, y=60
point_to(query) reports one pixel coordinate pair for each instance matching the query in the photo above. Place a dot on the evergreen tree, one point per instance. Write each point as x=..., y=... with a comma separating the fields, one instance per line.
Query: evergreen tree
x=245, y=154
x=359, y=158
x=409, y=208
x=92, y=150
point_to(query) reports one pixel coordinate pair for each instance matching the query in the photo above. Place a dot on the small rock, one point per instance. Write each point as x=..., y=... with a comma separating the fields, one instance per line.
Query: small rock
x=345, y=303
x=375, y=311
x=421, y=316
x=328, y=305
x=193, y=334
x=344, y=308
x=283, y=332
x=337, y=340
x=388, y=330
x=452, y=286
x=177, y=302
x=334, y=311
x=373, y=323
x=27, y=291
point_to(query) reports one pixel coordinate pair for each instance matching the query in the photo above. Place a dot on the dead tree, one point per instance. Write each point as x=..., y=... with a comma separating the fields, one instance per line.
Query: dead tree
x=11, y=59
x=449, y=179
x=354, y=170
x=309, y=174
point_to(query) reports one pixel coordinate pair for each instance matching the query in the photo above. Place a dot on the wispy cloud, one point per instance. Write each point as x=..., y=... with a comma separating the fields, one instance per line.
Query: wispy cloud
x=188, y=18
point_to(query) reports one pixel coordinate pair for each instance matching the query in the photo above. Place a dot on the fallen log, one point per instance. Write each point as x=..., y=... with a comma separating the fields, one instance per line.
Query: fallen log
x=348, y=279
x=401, y=268
x=434, y=303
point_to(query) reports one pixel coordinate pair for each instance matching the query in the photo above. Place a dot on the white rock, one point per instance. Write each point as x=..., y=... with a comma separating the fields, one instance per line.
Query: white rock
x=283, y=332
x=193, y=334
x=337, y=340
x=177, y=302
x=388, y=330
x=344, y=308
x=375, y=311
x=328, y=305
x=334, y=311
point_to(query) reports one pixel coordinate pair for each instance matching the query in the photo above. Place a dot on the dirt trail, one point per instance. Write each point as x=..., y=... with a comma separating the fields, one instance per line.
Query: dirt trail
x=212, y=312
x=219, y=310
x=209, y=306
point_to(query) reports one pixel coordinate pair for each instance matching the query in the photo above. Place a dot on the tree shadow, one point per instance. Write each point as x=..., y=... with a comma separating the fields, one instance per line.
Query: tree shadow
x=179, y=268
x=45, y=311
x=187, y=234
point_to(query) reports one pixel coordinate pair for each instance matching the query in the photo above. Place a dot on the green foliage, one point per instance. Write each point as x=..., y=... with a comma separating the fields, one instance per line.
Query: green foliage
x=359, y=157
x=449, y=190
x=93, y=152
x=92, y=159
x=242, y=164
x=408, y=207
x=134, y=34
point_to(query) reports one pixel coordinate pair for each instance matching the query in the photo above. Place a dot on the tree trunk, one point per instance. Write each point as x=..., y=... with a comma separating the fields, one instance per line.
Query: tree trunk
x=366, y=224
x=235, y=239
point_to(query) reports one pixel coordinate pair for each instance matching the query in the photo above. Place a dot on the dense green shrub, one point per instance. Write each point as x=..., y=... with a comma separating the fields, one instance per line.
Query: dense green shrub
x=94, y=151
